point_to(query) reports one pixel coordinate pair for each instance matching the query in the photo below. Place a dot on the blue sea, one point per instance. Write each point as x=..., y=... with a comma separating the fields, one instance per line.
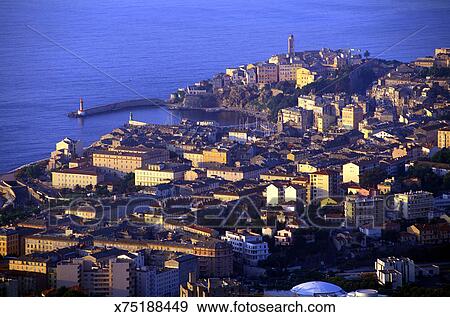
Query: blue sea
x=53, y=52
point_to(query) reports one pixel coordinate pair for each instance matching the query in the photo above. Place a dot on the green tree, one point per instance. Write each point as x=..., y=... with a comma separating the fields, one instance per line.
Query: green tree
x=442, y=156
x=446, y=182
x=373, y=177
x=101, y=190
x=31, y=171
x=127, y=184
x=428, y=179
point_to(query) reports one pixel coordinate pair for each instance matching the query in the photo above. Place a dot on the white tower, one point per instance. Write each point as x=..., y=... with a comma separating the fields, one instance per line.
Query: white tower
x=81, y=112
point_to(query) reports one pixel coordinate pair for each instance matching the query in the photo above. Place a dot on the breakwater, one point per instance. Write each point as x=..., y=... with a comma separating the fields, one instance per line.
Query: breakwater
x=154, y=102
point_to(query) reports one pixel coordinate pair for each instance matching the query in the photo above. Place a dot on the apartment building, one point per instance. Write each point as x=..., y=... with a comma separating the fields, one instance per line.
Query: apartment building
x=120, y=161
x=215, y=257
x=324, y=122
x=309, y=102
x=274, y=194
x=362, y=211
x=47, y=243
x=234, y=174
x=352, y=172
x=111, y=275
x=85, y=212
x=65, y=150
x=426, y=233
x=414, y=205
x=322, y=184
x=279, y=193
x=9, y=242
x=444, y=138
x=76, y=177
x=196, y=158
x=395, y=272
x=239, y=136
x=29, y=263
x=157, y=174
x=220, y=156
x=212, y=287
x=295, y=117
x=267, y=73
x=157, y=282
x=248, y=247
x=352, y=115
x=70, y=147
x=288, y=72
x=304, y=77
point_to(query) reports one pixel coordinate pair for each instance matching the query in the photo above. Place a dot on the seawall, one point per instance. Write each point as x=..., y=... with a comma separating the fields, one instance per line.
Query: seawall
x=118, y=106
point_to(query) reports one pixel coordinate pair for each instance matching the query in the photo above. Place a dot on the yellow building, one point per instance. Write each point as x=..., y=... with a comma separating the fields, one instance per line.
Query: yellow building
x=444, y=138
x=226, y=196
x=220, y=156
x=82, y=212
x=46, y=243
x=230, y=71
x=29, y=264
x=70, y=178
x=351, y=117
x=121, y=161
x=153, y=218
x=424, y=62
x=9, y=242
x=323, y=184
x=304, y=77
x=194, y=174
x=196, y=158
x=159, y=174
x=276, y=177
x=306, y=167
x=234, y=174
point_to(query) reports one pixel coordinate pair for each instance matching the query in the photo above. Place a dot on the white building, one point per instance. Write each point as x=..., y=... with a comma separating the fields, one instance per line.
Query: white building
x=248, y=247
x=294, y=193
x=239, y=136
x=277, y=194
x=274, y=194
x=102, y=274
x=70, y=147
x=157, y=282
x=395, y=271
x=117, y=273
x=414, y=205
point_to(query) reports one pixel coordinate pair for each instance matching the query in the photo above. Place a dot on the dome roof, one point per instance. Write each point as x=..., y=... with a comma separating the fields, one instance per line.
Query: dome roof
x=317, y=288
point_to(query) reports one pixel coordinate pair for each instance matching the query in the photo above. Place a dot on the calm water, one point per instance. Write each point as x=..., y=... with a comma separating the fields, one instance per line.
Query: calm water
x=159, y=45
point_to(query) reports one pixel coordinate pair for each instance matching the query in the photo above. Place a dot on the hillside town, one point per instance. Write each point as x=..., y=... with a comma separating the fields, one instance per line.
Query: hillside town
x=338, y=172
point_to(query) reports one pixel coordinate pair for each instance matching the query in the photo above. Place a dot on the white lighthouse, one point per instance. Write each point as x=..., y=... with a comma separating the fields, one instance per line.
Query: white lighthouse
x=81, y=112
